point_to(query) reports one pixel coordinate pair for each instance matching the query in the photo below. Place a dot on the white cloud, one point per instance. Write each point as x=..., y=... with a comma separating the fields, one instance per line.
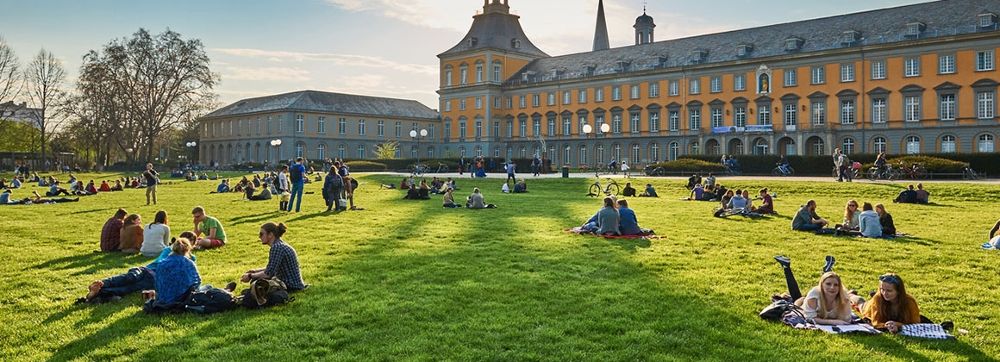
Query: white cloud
x=276, y=74
x=348, y=60
x=435, y=14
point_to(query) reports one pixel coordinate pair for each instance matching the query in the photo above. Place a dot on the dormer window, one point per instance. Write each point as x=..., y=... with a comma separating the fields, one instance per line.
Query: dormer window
x=662, y=61
x=793, y=44
x=913, y=30
x=848, y=38
x=590, y=70
x=515, y=43
x=623, y=66
x=987, y=20
x=699, y=55
x=473, y=41
x=743, y=50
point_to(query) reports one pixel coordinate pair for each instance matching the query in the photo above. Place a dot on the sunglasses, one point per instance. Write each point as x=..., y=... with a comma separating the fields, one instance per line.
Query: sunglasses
x=889, y=278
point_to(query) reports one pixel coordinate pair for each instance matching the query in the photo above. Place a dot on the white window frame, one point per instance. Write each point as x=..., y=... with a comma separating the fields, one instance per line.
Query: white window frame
x=694, y=87
x=818, y=75
x=740, y=82
x=913, y=145
x=716, y=84
x=300, y=123
x=675, y=88
x=949, y=144
x=880, y=110
x=878, y=70
x=911, y=108
x=946, y=64
x=846, y=72
x=654, y=89
x=880, y=145
x=848, y=111
x=911, y=67
x=947, y=104
x=791, y=77
x=985, y=143
x=740, y=116
x=986, y=105
x=818, y=113
x=716, y=117
x=985, y=61
x=634, y=91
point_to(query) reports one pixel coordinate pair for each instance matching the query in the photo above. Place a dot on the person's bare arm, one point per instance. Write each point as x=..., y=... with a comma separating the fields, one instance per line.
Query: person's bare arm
x=996, y=228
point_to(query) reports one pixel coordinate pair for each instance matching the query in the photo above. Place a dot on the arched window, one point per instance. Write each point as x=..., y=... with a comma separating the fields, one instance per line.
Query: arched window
x=299, y=149
x=361, y=152
x=635, y=154
x=583, y=155
x=616, y=152
x=819, y=147
x=600, y=154
x=674, y=150
x=567, y=154
x=479, y=151
x=341, y=151
x=986, y=143
x=694, y=148
x=321, y=152
x=879, y=144
x=654, y=152
x=761, y=147
x=524, y=152
x=912, y=145
x=848, y=146
x=948, y=144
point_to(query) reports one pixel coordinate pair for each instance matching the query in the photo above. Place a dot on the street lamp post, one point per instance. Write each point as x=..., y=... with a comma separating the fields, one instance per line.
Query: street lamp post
x=276, y=143
x=587, y=131
x=415, y=135
x=191, y=145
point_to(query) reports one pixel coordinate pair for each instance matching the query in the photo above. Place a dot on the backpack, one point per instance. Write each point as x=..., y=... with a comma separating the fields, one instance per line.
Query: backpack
x=266, y=293
x=337, y=181
x=295, y=173
x=211, y=300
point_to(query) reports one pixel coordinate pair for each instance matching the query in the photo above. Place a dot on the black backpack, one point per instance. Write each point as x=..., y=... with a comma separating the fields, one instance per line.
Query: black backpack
x=212, y=300
x=265, y=293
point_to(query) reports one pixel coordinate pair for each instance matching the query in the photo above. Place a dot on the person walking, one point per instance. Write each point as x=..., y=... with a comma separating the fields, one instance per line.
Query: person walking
x=298, y=179
x=510, y=173
x=152, y=179
x=283, y=187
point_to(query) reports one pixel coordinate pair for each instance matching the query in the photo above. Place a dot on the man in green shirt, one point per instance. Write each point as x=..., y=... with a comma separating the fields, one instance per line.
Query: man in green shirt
x=208, y=229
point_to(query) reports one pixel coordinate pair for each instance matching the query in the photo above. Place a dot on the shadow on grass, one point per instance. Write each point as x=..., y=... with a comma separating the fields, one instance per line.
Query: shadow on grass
x=254, y=218
x=92, y=262
x=91, y=211
x=914, y=239
x=891, y=346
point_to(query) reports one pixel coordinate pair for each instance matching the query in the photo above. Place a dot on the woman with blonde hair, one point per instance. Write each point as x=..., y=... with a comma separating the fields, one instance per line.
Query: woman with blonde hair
x=828, y=303
x=852, y=218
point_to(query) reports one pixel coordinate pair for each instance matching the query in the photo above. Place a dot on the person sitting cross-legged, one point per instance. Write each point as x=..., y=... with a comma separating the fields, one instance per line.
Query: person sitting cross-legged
x=885, y=220
x=608, y=218
x=908, y=196
x=852, y=220
x=923, y=196
x=628, y=191
x=650, y=191
x=282, y=261
x=628, y=224
x=449, y=199
x=208, y=230
x=767, y=203
x=870, y=225
x=807, y=220
x=477, y=201
x=111, y=232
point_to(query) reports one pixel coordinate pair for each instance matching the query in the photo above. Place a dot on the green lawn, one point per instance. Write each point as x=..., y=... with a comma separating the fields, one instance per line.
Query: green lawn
x=411, y=280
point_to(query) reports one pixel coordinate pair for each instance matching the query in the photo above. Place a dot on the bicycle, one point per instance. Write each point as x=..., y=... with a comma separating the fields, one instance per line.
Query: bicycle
x=654, y=171
x=782, y=170
x=969, y=174
x=442, y=168
x=611, y=189
x=887, y=173
x=418, y=170
x=915, y=172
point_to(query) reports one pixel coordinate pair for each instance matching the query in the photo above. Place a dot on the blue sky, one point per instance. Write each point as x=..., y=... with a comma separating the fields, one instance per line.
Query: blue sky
x=372, y=47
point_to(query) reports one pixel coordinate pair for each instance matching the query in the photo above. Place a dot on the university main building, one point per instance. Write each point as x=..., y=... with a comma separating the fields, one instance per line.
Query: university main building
x=912, y=79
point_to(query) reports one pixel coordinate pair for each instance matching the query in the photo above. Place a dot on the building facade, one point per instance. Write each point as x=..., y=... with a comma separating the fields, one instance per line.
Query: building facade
x=315, y=125
x=913, y=79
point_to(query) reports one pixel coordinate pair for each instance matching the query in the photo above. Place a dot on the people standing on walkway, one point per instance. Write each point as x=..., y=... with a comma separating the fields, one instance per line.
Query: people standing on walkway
x=152, y=179
x=297, y=174
x=510, y=173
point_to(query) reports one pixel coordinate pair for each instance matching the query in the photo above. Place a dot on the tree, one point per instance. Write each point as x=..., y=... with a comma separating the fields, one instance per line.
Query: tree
x=17, y=136
x=149, y=85
x=386, y=151
x=10, y=74
x=44, y=79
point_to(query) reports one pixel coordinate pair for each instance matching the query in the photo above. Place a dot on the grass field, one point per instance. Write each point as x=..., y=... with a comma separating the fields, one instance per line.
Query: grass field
x=411, y=280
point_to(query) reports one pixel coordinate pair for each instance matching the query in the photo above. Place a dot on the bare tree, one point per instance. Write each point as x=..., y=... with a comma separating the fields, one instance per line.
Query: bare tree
x=10, y=73
x=44, y=79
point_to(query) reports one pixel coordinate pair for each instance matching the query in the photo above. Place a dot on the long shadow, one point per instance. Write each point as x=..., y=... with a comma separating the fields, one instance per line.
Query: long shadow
x=90, y=211
x=93, y=262
x=254, y=218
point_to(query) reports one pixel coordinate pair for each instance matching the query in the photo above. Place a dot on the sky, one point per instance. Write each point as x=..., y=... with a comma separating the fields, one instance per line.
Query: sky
x=385, y=48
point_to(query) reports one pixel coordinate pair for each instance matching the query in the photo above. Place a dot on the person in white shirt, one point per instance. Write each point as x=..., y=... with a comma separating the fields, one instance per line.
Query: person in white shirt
x=625, y=169
x=156, y=236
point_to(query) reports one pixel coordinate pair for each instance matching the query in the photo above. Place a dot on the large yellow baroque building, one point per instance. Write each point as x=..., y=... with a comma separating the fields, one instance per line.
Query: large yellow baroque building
x=912, y=79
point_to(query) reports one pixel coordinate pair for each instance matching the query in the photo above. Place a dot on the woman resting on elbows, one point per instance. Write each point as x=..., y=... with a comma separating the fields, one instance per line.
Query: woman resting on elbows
x=891, y=308
x=828, y=303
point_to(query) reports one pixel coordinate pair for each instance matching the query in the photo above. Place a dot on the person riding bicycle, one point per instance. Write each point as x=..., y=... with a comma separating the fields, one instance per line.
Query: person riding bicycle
x=613, y=166
x=880, y=162
x=784, y=166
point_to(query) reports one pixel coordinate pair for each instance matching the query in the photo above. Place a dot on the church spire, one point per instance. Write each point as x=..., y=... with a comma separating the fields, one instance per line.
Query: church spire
x=601, y=41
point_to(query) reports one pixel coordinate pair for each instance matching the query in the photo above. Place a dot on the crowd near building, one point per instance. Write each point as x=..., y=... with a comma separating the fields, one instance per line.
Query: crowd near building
x=906, y=80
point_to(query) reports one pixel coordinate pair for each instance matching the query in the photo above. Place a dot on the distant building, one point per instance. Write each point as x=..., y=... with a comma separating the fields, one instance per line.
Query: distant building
x=20, y=112
x=316, y=125
x=905, y=80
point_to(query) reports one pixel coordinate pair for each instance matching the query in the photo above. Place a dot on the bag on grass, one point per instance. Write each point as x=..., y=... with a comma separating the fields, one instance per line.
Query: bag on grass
x=266, y=293
x=210, y=300
x=776, y=310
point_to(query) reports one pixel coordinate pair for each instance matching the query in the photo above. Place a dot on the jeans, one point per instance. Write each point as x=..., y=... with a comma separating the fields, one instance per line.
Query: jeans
x=296, y=194
x=810, y=227
x=134, y=280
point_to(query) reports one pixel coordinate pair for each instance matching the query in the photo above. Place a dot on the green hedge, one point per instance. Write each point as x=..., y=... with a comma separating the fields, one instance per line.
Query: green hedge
x=931, y=164
x=366, y=166
x=988, y=163
x=690, y=165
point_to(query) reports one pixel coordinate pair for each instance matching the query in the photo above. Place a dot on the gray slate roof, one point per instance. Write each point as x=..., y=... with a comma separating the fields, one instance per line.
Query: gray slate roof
x=327, y=102
x=496, y=30
x=942, y=18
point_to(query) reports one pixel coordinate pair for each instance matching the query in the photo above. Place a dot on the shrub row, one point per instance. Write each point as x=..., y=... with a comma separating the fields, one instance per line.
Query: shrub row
x=690, y=165
x=988, y=163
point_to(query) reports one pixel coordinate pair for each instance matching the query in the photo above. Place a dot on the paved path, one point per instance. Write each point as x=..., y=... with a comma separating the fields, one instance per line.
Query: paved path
x=684, y=178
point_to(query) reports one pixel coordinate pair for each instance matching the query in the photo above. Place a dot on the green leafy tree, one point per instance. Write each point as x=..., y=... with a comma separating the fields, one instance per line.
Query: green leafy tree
x=386, y=151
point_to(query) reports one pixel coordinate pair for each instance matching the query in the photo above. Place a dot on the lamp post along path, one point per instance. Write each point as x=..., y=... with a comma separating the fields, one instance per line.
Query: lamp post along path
x=418, y=135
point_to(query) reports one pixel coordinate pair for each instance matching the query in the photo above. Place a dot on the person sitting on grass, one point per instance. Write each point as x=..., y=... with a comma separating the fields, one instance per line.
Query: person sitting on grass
x=746, y=196
x=710, y=180
x=767, y=203
x=628, y=224
x=628, y=191
x=5, y=197
x=870, y=225
x=208, y=230
x=650, y=191
x=737, y=204
x=105, y=187
x=923, y=196
x=111, y=232
x=504, y=188
x=891, y=308
x=449, y=199
x=852, y=220
x=697, y=193
x=477, y=201
x=222, y=188
x=436, y=185
x=55, y=190
x=117, y=186
x=996, y=228
x=265, y=194
x=404, y=184
x=608, y=218
x=908, y=196
x=156, y=236
x=424, y=191
x=807, y=220
x=692, y=181
x=412, y=193
x=15, y=183
x=521, y=187
x=134, y=280
x=828, y=303
x=282, y=260
x=131, y=235
x=885, y=220
x=176, y=277
x=91, y=188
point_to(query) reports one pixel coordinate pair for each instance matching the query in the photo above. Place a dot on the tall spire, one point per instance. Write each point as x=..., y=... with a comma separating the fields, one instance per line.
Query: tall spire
x=601, y=41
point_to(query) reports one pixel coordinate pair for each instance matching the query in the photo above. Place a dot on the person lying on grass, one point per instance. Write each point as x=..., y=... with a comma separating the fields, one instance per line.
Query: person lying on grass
x=265, y=194
x=6, y=198
x=806, y=218
x=885, y=220
x=650, y=191
x=176, y=277
x=208, y=230
x=628, y=224
x=828, y=303
x=892, y=307
x=134, y=280
x=282, y=260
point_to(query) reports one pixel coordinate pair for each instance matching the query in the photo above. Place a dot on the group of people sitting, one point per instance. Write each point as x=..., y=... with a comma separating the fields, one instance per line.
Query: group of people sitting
x=830, y=303
x=740, y=203
x=629, y=191
x=15, y=183
x=615, y=218
x=476, y=200
x=423, y=189
x=125, y=233
x=870, y=222
x=911, y=196
x=520, y=187
x=168, y=282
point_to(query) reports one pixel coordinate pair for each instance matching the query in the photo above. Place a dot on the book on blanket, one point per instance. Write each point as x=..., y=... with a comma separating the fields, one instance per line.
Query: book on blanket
x=849, y=328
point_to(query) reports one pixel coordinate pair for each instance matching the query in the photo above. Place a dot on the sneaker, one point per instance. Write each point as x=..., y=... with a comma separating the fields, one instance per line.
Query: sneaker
x=231, y=287
x=830, y=261
x=784, y=261
x=948, y=325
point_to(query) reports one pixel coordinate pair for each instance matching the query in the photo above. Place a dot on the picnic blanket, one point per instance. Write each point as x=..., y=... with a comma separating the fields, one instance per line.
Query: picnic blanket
x=578, y=231
x=925, y=330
